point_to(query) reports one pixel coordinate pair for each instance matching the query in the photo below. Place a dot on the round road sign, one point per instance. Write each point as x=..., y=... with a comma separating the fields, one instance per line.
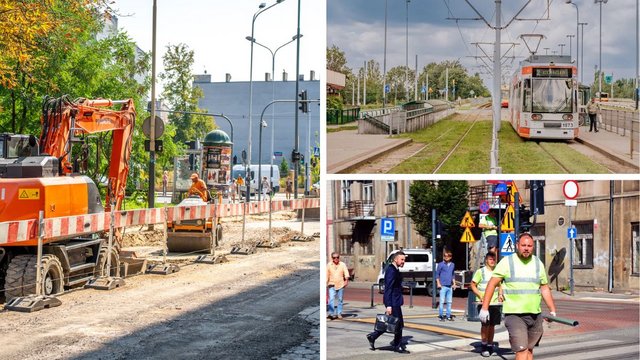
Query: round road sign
x=484, y=207
x=570, y=189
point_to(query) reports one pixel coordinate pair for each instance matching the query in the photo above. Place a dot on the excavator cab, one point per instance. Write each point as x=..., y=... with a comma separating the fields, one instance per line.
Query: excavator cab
x=13, y=146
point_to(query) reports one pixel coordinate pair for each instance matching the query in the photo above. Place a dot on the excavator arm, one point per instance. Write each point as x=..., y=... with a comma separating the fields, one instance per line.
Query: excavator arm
x=63, y=119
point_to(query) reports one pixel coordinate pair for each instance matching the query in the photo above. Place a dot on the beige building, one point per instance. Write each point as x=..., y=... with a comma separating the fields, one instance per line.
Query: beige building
x=355, y=209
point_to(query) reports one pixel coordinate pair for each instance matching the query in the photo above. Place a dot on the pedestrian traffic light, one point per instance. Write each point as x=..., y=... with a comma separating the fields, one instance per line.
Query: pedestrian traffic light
x=525, y=219
x=302, y=159
x=537, y=196
x=438, y=229
x=304, y=105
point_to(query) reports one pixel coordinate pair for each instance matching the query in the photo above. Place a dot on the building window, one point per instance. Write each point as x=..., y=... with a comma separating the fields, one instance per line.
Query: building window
x=392, y=191
x=635, y=250
x=538, y=233
x=366, y=248
x=583, y=246
x=345, y=247
x=367, y=191
x=345, y=191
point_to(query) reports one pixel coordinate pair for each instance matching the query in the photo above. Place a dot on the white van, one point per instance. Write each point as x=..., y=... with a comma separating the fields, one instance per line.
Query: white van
x=417, y=268
x=266, y=170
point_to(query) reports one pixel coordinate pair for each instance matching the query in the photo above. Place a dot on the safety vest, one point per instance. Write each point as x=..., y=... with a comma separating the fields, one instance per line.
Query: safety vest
x=521, y=287
x=482, y=285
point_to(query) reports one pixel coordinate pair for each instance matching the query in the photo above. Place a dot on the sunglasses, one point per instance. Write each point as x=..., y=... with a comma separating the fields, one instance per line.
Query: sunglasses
x=335, y=257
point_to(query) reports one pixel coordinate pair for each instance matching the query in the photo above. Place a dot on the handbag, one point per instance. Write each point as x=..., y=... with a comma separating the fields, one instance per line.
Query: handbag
x=385, y=323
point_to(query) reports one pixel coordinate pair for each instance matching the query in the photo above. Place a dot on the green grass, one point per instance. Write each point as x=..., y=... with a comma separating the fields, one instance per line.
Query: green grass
x=516, y=155
x=342, y=128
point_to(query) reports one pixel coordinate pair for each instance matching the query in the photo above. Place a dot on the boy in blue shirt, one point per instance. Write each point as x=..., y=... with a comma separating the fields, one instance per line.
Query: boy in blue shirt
x=445, y=283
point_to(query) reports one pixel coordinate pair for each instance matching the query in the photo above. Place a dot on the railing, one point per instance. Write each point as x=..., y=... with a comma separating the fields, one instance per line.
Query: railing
x=342, y=116
x=379, y=112
x=375, y=122
x=623, y=122
x=360, y=208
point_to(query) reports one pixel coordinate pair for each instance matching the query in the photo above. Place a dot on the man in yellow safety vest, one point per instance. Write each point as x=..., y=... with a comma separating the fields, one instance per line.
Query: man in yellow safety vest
x=525, y=283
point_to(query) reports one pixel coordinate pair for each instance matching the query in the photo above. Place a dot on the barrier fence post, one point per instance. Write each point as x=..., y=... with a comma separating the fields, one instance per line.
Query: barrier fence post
x=270, y=211
x=304, y=200
x=39, y=254
x=164, y=235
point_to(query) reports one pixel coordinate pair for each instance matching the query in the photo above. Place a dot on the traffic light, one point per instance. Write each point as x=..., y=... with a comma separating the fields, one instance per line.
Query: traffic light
x=438, y=229
x=537, y=196
x=302, y=159
x=525, y=219
x=295, y=156
x=304, y=105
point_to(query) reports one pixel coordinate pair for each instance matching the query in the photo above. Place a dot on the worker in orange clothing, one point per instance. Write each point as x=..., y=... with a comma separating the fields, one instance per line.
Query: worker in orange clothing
x=198, y=187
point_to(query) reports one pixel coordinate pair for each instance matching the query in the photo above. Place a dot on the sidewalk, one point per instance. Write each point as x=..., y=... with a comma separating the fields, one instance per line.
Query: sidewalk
x=610, y=144
x=347, y=149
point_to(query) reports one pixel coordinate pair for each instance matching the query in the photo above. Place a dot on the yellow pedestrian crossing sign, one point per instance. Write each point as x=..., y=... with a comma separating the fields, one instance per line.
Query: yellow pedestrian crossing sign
x=509, y=219
x=467, y=221
x=513, y=189
x=467, y=236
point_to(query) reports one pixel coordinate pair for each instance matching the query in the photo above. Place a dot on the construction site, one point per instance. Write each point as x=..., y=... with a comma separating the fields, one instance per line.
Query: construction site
x=81, y=277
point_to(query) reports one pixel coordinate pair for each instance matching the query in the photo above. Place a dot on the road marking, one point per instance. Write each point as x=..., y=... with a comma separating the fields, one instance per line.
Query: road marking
x=430, y=328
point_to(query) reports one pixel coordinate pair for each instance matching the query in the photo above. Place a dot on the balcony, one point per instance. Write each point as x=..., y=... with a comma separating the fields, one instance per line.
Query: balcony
x=361, y=209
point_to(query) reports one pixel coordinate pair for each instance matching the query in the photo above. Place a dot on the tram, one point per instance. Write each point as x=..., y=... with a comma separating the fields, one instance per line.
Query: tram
x=543, y=98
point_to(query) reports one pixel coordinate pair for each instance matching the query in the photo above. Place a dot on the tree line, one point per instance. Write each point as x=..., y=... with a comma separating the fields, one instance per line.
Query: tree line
x=401, y=81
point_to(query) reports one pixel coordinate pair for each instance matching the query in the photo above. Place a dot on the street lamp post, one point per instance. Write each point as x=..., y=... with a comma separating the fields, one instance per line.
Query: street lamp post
x=273, y=97
x=577, y=37
x=263, y=7
x=600, y=51
x=582, y=24
x=406, y=70
x=384, y=62
x=571, y=47
x=562, y=48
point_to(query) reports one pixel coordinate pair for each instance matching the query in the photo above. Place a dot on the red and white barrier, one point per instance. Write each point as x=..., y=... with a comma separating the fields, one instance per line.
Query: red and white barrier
x=24, y=230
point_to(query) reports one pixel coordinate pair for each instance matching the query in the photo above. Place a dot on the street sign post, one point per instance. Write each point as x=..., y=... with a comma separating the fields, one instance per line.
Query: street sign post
x=571, y=190
x=484, y=207
x=572, y=232
x=387, y=229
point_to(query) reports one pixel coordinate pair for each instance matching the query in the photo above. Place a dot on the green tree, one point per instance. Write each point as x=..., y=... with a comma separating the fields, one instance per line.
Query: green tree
x=400, y=79
x=336, y=60
x=284, y=167
x=449, y=198
x=181, y=95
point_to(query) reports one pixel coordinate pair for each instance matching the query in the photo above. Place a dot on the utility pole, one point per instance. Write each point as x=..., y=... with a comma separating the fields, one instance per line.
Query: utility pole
x=582, y=24
x=364, y=85
x=562, y=48
x=571, y=47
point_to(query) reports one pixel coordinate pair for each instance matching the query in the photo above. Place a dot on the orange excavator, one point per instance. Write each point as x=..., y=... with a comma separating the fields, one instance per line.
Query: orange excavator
x=49, y=176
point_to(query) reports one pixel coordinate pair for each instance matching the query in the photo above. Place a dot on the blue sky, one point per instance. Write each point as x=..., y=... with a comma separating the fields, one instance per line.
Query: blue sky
x=357, y=27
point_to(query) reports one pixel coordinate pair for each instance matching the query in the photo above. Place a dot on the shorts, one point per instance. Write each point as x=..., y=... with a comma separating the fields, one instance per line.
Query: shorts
x=495, y=314
x=492, y=241
x=525, y=330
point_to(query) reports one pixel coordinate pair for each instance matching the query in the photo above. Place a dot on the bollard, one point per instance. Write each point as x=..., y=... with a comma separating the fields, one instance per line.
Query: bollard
x=372, y=286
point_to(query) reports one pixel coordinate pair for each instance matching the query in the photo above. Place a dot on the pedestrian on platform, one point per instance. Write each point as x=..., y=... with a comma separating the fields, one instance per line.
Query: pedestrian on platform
x=478, y=285
x=446, y=284
x=525, y=283
x=337, y=280
x=393, y=301
x=593, y=109
x=489, y=226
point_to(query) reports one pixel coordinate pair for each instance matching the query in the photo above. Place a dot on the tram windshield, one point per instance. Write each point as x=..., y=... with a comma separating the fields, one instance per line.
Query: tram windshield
x=552, y=95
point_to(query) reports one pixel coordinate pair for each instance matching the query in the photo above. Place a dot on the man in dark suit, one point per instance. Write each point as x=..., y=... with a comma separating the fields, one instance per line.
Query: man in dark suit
x=393, y=301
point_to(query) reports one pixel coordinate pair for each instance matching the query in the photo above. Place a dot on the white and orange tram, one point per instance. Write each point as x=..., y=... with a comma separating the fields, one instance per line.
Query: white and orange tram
x=543, y=97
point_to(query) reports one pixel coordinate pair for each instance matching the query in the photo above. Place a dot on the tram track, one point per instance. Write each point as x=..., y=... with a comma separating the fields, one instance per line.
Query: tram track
x=553, y=158
x=475, y=115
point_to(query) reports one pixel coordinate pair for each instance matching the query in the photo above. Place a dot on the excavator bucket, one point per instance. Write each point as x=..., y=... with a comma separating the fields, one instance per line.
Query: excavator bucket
x=189, y=242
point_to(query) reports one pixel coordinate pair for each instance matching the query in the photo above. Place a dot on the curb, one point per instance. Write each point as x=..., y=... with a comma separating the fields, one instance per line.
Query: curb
x=352, y=163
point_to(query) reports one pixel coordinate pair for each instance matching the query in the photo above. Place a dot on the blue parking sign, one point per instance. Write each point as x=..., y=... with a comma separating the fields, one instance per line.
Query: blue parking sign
x=387, y=229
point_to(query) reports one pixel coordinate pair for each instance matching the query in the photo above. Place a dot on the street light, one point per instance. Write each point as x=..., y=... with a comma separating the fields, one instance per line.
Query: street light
x=273, y=91
x=571, y=47
x=263, y=124
x=263, y=7
x=582, y=24
x=562, y=48
x=600, y=66
x=577, y=37
x=384, y=62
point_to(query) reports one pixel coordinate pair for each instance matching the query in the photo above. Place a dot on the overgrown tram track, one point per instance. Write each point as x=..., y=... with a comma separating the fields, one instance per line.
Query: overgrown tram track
x=475, y=115
x=552, y=157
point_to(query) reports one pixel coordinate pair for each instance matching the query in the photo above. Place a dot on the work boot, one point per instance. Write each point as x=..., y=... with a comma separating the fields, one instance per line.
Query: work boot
x=371, y=342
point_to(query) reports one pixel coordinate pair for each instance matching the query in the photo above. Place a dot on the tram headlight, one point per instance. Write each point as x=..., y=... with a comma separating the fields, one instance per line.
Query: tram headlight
x=536, y=117
x=568, y=117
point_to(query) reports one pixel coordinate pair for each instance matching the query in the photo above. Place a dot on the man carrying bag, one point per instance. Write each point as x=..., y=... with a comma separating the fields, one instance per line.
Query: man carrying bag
x=393, y=301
